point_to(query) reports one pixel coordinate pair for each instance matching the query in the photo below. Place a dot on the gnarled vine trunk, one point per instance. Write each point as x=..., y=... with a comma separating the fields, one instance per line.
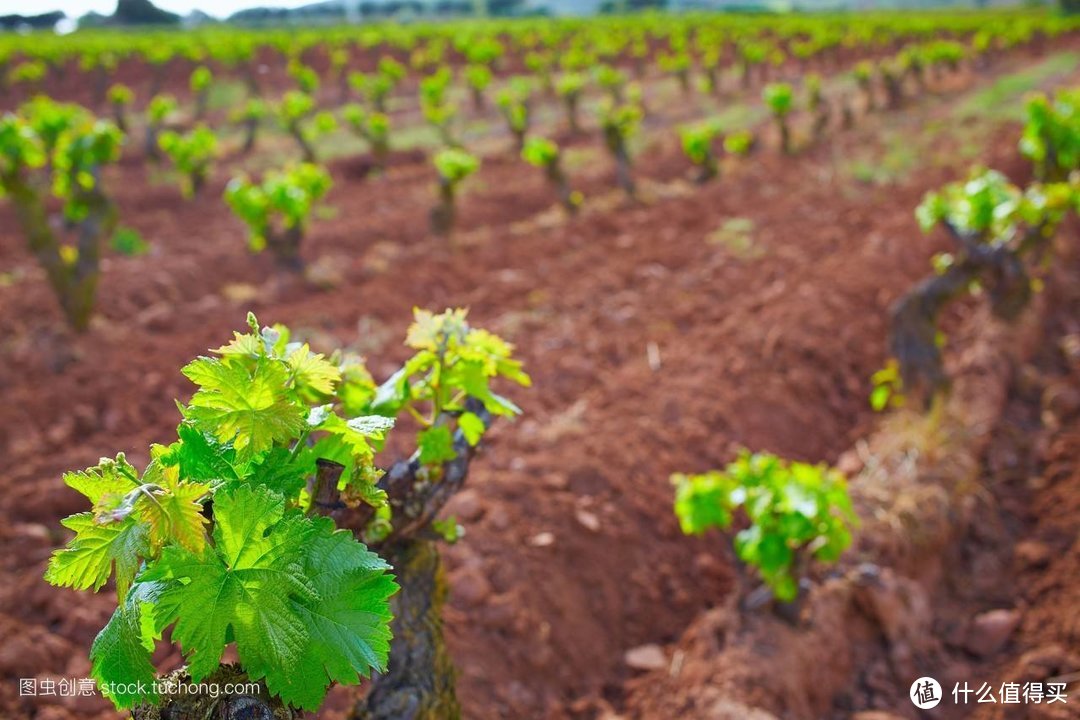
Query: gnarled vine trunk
x=624, y=176
x=572, y=123
x=182, y=705
x=306, y=149
x=285, y=246
x=444, y=213
x=120, y=117
x=73, y=280
x=419, y=681
x=251, y=133
x=150, y=142
x=914, y=339
x=785, y=135
x=380, y=150
x=557, y=178
x=821, y=120
x=894, y=90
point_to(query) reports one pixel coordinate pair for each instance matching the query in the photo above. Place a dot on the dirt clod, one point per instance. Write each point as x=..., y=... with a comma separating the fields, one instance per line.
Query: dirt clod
x=990, y=631
x=1033, y=554
x=469, y=586
x=466, y=506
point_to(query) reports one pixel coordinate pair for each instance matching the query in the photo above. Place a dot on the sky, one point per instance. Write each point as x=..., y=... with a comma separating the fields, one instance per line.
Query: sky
x=75, y=8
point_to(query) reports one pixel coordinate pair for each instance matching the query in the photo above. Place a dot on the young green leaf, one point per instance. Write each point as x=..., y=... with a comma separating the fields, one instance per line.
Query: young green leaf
x=173, y=510
x=251, y=409
x=89, y=559
x=120, y=658
x=472, y=427
x=348, y=626
x=436, y=445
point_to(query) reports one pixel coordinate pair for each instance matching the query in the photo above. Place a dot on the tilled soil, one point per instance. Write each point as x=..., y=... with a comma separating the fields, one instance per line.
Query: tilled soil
x=1013, y=619
x=988, y=608
x=653, y=348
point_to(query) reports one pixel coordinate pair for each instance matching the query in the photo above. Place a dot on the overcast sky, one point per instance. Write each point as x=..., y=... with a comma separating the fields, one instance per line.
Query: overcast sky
x=75, y=8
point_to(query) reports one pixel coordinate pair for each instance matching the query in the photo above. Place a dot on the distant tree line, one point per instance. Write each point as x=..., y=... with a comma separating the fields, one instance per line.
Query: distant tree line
x=142, y=12
x=38, y=22
x=374, y=8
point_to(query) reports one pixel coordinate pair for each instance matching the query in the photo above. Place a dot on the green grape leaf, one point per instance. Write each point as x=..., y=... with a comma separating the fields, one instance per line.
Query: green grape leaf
x=371, y=426
x=97, y=547
x=120, y=658
x=242, y=344
x=359, y=436
x=357, y=387
x=306, y=604
x=107, y=483
x=701, y=502
x=350, y=443
x=281, y=471
x=392, y=395
x=349, y=624
x=475, y=380
x=128, y=242
x=448, y=529
x=311, y=372
x=836, y=541
x=784, y=586
x=472, y=427
x=879, y=397
x=773, y=553
x=361, y=486
x=430, y=331
x=199, y=456
x=174, y=513
x=244, y=583
x=436, y=445
x=250, y=409
x=318, y=414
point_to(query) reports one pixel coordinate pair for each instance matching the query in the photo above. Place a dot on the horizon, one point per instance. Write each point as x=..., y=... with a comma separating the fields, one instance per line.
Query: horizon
x=78, y=8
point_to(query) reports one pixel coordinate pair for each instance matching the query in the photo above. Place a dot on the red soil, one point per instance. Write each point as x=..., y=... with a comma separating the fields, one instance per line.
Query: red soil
x=991, y=602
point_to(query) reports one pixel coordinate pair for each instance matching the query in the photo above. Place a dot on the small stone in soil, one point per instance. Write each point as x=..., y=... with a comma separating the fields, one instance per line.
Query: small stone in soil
x=556, y=481
x=588, y=520
x=543, y=539
x=991, y=630
x=646, y=657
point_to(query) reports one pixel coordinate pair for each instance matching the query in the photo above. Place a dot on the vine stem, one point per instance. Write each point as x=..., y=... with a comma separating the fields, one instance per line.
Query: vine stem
x=301, y=442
